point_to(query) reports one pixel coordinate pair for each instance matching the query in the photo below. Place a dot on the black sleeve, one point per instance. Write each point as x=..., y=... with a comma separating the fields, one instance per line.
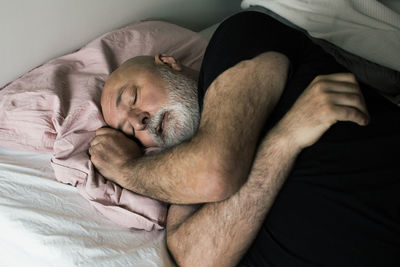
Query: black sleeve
x=244, y=36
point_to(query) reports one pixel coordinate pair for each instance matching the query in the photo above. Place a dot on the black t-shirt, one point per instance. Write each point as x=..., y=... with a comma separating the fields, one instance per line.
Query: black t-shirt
x=340, y=205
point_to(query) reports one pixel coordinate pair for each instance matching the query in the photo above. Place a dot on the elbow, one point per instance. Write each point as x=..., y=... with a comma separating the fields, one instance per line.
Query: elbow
x=187, y=253
x=217, y=183
x=220, y=187
x=176, y=249
x=214, y=176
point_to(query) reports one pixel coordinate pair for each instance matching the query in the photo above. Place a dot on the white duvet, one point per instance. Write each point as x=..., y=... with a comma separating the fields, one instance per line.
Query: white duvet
x=367, y=28
x=46, y=223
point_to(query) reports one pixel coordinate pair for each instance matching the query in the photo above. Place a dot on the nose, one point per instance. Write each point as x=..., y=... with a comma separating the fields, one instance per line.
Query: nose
x=138, y=119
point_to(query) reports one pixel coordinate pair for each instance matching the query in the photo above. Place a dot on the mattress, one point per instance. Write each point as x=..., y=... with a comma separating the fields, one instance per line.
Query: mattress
x=47, y=223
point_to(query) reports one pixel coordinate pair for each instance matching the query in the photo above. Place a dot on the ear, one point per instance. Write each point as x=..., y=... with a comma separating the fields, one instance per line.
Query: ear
x=170, y=61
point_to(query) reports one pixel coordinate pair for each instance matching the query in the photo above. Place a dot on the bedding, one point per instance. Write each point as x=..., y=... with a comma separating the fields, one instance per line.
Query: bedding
x=339, y=204
x=47, y=223
x=33, y=205
x=55, y=109
x=357, y=26
x=383, y=79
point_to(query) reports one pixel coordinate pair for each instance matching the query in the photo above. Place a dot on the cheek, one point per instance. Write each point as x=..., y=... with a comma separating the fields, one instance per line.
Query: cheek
x=155, y=99
x=145, y=138
x=156, y=104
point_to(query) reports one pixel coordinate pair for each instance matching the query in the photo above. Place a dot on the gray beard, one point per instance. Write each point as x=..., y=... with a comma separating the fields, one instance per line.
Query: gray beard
x=183, y=111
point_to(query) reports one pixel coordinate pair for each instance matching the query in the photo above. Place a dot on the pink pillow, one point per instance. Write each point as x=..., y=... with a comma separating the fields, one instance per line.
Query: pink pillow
x=55, y=109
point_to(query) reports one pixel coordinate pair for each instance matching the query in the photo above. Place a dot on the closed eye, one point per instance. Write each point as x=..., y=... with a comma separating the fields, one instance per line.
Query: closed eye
x=134, y=97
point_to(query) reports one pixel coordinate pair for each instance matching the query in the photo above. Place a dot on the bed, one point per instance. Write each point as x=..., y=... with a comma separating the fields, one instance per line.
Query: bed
x=44, y=222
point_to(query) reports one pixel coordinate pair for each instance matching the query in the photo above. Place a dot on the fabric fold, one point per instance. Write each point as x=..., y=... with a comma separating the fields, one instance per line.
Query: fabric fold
x=55, y=108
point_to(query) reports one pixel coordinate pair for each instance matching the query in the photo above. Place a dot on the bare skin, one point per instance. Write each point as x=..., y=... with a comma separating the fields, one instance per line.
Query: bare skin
x=231, y=225
x=328, y=99
x=206, y=168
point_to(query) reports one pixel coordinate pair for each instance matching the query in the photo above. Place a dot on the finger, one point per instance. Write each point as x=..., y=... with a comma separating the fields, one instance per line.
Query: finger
x=338, y=77
x=349, y=99
x=104, y=131
x=92, y=149
x=95, y=154
x=345, y=113
x=98, y=139
x=92, y=152
x=339, y=87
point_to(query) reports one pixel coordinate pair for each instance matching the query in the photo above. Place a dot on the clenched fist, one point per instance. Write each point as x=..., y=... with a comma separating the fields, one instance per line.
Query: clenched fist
x=110, y=151
x=327, y=100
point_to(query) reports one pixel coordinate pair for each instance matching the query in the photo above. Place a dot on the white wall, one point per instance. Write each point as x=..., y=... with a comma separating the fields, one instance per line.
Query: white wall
x=34, y=31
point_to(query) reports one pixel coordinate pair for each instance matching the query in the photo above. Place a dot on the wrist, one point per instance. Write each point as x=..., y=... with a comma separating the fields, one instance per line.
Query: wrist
x=125, y=175
x=285, y=138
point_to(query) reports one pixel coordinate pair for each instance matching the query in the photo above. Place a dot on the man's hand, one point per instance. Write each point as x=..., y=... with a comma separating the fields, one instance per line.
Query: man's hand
x=206, y=168
x=327, y=100
x=110, y=150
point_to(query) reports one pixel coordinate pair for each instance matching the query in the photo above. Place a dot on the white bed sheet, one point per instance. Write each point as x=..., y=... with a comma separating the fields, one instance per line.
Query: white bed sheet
x=46, y=223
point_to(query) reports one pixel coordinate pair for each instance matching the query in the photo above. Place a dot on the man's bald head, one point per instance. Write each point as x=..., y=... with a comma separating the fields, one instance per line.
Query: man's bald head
x=153, y=99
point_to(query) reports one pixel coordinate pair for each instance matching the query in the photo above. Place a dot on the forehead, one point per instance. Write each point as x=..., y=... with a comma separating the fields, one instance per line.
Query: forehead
x=112, y=87
x=135, y=72
x=131, y=75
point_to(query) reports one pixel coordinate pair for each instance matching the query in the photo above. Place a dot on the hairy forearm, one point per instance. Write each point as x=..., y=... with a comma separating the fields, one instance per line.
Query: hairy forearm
x=208, y=167
x=201, y=240
x=219, y=233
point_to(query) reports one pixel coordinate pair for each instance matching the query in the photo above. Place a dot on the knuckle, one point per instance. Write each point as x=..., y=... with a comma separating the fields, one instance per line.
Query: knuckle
x=319, y=78
x=321, y=85
x=99, y=147
x=95, y=142
x=354, y=86
x=354, y=99
x=317, y=86
x=352, y=114
x=351, y=76
x=104, y=139
x=357, y=101
x=94, y=158
x=95, y=150
x=92, y=152
x=316, y=79
x=97, y=159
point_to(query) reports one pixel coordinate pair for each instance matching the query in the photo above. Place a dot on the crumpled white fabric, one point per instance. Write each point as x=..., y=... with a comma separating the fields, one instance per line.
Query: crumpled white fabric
x=55, y=108
x=366, y=28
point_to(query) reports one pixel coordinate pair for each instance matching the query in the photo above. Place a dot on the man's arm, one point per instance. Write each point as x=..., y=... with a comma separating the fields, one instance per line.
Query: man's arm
x=216, y=162
x=218, y=234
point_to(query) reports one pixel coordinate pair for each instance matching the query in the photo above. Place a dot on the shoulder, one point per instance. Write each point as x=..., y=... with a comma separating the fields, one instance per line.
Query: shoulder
x=244, y=36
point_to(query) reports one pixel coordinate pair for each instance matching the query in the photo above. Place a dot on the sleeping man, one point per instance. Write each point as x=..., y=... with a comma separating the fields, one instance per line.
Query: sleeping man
x=271, y=112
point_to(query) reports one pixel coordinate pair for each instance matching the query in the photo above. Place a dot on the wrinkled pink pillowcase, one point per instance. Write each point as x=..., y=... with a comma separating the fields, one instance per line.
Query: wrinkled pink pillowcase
x=55, y=109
